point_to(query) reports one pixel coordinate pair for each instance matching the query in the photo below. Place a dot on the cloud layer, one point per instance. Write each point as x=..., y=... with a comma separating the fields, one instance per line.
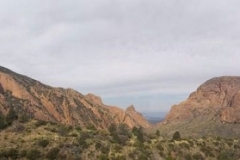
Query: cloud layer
x=150, y=53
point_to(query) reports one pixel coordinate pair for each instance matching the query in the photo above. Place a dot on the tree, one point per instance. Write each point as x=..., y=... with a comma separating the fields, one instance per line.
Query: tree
x=112, y=128
x=11, y=116
x=2, y=122
x=139, y=133
x=176, y=136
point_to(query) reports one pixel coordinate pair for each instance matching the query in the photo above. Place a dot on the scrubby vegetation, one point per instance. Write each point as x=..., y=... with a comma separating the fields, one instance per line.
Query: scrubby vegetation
x=34, y=139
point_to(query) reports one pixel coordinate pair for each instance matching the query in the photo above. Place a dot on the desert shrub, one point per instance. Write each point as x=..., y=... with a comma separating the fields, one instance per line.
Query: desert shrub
x=236, y=146
x=52, y=153
x=63, y=130
x=159, y=147
x=158, y=133
x=11, y=153
x=138, y=144
x=43, y=142
x=123, y=130
x=11, y=116
x=176, y=136
x=117, y=148
x=98, y=145
x=197, y=156
x=23, y=153
x=91, y=127
x=184, y=145
x=191, y=143
x=187, y=157
x=33, y=154
x=138, y=132
x=119, y=157
x=169, y=158
x=112, y=128
x=105, y=149
x=142, y=157
x=2, y=122
x=207, y=151
x=23, y=118
x=230, y=143
x=78, y=128
x=82, y=143
x=122, y=139
x=227, y=155
x=18, y=127
x=103, y=157
x=40, y=123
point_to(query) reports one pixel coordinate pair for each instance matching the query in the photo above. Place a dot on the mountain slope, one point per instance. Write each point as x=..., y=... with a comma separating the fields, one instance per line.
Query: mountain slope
x=66, y=106
x=214, y=109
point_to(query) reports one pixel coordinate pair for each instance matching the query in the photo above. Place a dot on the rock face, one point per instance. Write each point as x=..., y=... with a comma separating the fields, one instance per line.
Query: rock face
x=66, y=106
x=137, y=117
x=213, y=109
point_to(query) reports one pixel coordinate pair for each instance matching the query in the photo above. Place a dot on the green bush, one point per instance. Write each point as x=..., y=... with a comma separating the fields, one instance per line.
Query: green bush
x=142, y=157
x=98, y=145
x=23, y=153
x=11, y=153
x=23, y=118
x=226, y=155
x=2, y=122
x=91, y=127
x=159, y=147
x=11, y=116
x=105, y=149
x=33, y=154
x=176, y=136
x=138, y=133
x=103, y=157
x=52, y=153
x=187, y=157
x=197, y=156
x=43, y=142
x=40, y=123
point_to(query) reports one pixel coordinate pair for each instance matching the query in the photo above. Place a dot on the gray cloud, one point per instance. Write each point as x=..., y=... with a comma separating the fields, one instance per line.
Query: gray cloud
x=122, y=49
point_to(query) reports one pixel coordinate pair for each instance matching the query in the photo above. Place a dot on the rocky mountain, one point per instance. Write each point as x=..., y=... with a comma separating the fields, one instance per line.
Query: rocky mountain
x=66, y=106
x=214, y=109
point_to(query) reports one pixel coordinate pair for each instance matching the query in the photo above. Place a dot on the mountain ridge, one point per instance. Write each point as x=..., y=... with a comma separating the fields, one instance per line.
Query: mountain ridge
x=65, y=106
x=213, y=109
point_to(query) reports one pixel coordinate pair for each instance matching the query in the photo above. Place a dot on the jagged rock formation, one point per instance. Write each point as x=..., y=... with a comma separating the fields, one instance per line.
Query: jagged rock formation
x=214, y=109
x=137, y=117
x=65, y=106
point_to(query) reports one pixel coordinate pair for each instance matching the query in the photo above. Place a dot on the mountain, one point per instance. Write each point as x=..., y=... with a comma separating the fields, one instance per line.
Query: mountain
x=66, y=106
x=214, y=109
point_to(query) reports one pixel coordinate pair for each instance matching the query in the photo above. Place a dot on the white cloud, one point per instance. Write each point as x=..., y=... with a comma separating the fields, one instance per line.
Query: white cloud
x=117, y=48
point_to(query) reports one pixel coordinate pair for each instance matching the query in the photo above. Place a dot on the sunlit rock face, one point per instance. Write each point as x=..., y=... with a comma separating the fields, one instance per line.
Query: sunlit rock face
x=213, y=106
x=65, y=106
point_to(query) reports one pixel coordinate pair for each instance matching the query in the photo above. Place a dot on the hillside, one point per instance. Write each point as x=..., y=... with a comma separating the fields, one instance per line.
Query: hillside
x=214, y=109
x=40, y=140
x=31, y=98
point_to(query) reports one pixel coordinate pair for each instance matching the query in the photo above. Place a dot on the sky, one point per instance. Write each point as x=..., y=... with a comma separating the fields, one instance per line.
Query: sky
x=148, y=53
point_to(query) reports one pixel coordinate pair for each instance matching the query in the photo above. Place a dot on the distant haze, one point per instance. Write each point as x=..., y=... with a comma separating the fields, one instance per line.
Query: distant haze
x=151, y=54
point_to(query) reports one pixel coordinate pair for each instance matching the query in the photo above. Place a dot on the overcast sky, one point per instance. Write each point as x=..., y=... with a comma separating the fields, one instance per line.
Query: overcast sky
x=149, y=53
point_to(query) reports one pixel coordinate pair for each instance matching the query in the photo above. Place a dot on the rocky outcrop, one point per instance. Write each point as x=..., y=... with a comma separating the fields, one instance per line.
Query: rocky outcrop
x=137, y=117
x=213, y=109
x=66, y=106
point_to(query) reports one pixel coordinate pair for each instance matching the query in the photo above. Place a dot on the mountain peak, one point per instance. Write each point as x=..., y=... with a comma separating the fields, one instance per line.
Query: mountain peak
x=215, y=102
x=66, y=106
x=130, y=108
